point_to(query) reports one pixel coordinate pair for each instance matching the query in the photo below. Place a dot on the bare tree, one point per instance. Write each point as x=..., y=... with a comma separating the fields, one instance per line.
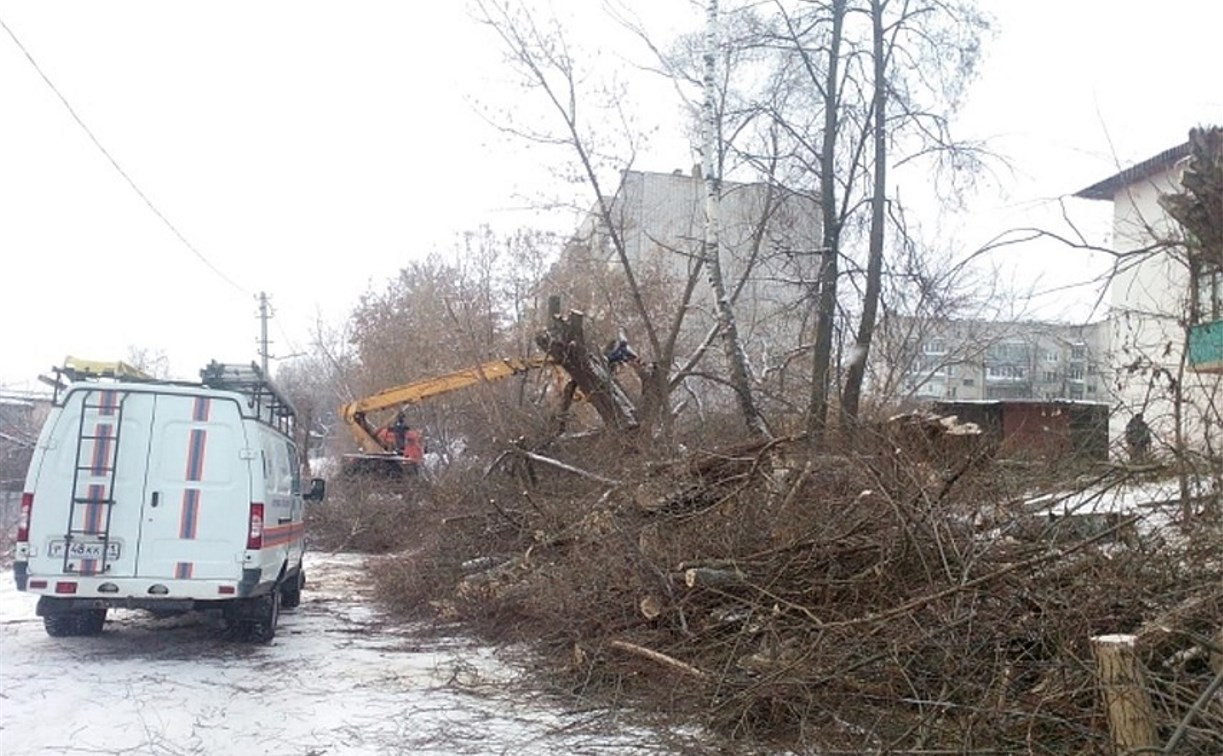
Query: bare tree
x=20, y=420
x=817, y=412
x=543, y=58
x=440, y=315
x=150, y=361
x=874, y=267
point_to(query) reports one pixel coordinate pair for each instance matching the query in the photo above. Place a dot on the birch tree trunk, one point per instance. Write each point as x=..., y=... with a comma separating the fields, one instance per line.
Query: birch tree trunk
x=736, y=359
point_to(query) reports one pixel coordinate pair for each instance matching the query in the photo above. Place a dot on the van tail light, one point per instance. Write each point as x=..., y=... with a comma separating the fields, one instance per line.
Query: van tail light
x=254, y=536
x=23, y=519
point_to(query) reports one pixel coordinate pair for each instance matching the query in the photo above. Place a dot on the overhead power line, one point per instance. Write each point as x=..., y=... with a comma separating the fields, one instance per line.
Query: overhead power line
x=116, y=165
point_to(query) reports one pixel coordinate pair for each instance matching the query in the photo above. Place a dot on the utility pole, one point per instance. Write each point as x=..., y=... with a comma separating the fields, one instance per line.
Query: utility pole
x=264, y=315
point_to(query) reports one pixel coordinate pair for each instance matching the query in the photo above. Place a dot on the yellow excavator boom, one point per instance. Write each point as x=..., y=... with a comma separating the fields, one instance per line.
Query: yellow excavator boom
x=412, y=393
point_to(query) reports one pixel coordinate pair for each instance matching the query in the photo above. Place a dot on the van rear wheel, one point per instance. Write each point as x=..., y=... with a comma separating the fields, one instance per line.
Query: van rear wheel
x=90, y=621
x=263, y=629
x=291, y=594
x=59, y=625
x=74, y=622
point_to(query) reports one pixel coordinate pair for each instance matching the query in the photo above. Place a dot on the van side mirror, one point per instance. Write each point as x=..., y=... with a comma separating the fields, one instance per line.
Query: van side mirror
x=318, y=489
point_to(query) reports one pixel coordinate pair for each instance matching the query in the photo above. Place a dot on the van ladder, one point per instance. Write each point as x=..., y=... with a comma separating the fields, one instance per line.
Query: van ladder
x=93, y=482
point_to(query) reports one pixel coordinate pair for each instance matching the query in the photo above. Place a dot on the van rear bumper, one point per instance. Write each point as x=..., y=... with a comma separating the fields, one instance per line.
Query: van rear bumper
x=49, y=605
x=96, y=592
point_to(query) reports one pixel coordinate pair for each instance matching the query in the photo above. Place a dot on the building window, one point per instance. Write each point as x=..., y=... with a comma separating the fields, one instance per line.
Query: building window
x=1208, y=297
x=1008, y=372
x=1075, y=373
x=1078, y=352
x=928, y=365
x=1009, y=351
x=968, y=381
x=1050, y=376
x=1050, y=355
x=1006, y=392
x=935, y=346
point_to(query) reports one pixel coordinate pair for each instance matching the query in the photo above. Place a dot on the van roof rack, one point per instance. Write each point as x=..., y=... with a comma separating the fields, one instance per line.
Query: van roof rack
x=270, y=405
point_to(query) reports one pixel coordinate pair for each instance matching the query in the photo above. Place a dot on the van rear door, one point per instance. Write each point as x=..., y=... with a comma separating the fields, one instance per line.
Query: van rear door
x=197, y=499
x=89, y=484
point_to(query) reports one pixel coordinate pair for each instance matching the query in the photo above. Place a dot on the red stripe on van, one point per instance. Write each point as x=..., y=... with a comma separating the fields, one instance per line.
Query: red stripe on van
x=94, y=508
x=89, y=566
x=110, y=402
x=101, y=449
x=202, y=407
x=183, y=570
x=189, y=517
x=283, y=534
x=195, y=454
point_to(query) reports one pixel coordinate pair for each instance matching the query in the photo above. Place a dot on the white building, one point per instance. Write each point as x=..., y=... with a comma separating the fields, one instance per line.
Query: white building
x=1155, y=296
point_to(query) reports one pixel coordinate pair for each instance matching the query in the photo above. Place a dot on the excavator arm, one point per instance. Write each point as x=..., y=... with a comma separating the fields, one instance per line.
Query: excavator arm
x=366, y=435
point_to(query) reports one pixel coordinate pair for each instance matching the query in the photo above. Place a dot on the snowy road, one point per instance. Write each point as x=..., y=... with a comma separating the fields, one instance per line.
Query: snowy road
x=335, y=681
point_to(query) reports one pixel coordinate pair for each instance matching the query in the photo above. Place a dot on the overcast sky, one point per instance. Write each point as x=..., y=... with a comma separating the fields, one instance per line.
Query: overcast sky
x=310, y=149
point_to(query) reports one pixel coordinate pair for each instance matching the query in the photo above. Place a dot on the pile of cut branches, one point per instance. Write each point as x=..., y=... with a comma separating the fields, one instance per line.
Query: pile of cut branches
x=893, y=597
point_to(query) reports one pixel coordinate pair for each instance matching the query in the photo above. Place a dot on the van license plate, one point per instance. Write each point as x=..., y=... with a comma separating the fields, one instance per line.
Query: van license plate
x=85, y=550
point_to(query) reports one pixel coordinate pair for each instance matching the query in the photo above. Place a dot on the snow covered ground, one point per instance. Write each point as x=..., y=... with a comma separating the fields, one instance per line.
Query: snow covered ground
x=336, y=680
x=1127, y=497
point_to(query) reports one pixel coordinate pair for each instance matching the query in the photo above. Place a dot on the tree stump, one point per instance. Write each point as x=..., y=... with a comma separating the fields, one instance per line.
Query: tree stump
x=1131, y=720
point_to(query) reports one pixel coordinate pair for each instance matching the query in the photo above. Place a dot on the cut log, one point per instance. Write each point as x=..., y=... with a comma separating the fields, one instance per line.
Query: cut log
x=556, y=463
x=651, y=607
x=711, y=578
x=660, y=658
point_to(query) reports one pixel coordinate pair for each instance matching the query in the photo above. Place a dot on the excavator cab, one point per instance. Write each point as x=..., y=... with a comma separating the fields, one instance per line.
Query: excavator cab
x=398, y=454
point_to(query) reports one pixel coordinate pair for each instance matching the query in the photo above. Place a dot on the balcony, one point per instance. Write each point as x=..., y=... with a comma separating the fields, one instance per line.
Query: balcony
x=1206, y=347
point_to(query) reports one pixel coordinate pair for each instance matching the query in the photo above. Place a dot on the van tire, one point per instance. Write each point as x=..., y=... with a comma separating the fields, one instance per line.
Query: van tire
x=90, y=621
x=263, y=629
x=291, y=594
x=60, y=625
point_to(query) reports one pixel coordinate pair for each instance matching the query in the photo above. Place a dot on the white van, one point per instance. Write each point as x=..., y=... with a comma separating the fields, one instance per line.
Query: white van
x=163, y=496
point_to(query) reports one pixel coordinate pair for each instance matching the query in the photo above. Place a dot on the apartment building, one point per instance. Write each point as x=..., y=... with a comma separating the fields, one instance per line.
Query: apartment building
x=923, y=360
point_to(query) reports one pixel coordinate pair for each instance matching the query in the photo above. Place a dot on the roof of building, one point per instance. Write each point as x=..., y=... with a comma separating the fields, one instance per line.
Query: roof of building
x=24, y=398
x=1108, y=188
x=1019, y=402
